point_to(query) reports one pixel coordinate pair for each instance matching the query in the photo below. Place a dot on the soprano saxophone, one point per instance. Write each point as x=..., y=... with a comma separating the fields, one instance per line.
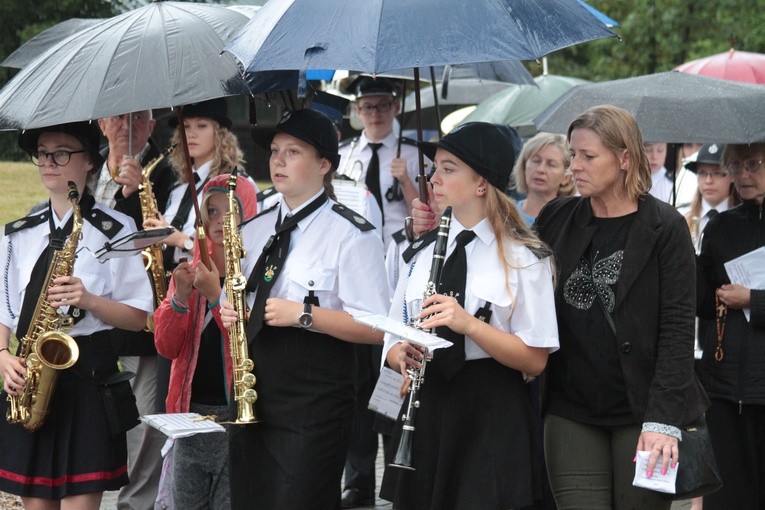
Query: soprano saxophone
x=45, y=348
x=403, y=456
x=235, y=283
x=152, y=255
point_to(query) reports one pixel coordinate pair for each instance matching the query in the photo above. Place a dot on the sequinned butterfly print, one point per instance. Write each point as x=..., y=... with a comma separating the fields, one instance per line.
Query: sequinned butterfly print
x=585, y=284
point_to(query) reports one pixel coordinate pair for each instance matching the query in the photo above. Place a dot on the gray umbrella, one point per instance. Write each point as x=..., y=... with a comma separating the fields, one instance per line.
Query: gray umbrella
x=671, y=107
x=32, y=49
x=161, y=55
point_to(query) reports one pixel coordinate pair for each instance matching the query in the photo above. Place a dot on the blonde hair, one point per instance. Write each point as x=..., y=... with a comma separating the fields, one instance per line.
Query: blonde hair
x=531, y=149
x=227, y=155
x=618, y=131
x=506, y=222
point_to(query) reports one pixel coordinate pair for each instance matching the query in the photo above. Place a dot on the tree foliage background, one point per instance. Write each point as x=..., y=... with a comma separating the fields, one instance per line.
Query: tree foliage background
x=656, y=35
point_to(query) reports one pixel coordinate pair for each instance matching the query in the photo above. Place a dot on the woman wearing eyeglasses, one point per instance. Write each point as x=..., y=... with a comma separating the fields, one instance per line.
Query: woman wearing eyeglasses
x=73, y=457
x=732, y=370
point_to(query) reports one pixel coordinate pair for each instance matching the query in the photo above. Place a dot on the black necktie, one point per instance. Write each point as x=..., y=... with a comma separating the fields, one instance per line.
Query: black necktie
x=270, y=263
x=373, y=174
x=57, y=240
x=449, y=361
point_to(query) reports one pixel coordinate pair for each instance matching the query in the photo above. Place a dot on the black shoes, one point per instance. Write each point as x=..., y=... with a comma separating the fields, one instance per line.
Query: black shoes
x=355, y=498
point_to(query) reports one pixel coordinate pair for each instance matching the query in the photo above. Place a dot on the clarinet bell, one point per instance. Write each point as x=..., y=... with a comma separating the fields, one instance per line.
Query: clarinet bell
x=403, y=457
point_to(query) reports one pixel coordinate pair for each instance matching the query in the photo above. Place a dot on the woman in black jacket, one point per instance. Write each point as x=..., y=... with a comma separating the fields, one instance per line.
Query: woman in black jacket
x=623, y=378
x=732, y=369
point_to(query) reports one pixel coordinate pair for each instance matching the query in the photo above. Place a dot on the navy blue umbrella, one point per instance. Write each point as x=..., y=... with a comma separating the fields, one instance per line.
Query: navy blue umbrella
x=381, y=35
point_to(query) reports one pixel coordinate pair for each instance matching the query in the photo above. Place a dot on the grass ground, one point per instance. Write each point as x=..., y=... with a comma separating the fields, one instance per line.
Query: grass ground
x=20, y=189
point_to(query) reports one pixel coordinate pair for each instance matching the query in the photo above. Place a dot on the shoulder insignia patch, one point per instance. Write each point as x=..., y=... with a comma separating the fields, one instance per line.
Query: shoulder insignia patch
x=399, y=236
x=261, y=213
x=419, y=244
x=104, y=223
x=349, y=214
x=27, y=222
x=348, y=141
x=262, y=195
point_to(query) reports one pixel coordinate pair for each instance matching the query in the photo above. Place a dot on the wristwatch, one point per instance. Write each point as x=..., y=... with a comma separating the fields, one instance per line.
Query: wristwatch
x=306, y=318
x=188, y=245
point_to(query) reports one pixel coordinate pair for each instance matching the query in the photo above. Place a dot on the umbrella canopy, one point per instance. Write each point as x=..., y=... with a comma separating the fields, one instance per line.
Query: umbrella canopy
x=508, y=71
x=396, y=34
x=518, y=106
x=732, y=65
x=32, y=49
x=671, y=107
x=160, y=55
x=462, y=92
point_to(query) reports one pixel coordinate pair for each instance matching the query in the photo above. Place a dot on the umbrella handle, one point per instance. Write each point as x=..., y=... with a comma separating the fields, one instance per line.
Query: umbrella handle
x=204, y=256
x=422, y=181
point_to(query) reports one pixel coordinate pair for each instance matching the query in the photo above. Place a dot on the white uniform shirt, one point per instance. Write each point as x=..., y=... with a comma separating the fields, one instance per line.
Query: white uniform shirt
x=527, y=311
x=119, y=279
x=685, y=184
x=703, y=219
x=354, y=161
x=340, y=263
x=394, y=264
x=176, y=196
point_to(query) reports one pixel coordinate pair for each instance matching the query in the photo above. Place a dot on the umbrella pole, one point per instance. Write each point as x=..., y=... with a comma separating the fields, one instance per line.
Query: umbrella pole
x=204, y=256
x=435, y=100
x=130, y=135
x=401, y=124
x=422, y=181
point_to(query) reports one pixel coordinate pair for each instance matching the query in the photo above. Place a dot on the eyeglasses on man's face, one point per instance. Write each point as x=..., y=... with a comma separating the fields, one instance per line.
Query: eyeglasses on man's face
x=752, y=166
x=60, y=158
x=369, y=109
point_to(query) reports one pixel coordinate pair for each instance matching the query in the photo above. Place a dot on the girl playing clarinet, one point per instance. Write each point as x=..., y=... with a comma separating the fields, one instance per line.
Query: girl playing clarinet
x=472, y=445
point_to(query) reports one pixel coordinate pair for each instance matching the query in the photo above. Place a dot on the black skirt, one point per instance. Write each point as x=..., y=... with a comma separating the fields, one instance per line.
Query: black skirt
x=472, y=446
x=294, y=458
x=73, y=452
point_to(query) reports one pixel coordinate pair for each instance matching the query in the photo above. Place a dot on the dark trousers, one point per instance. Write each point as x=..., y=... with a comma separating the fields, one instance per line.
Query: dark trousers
x=362, y=452
x=738, y=439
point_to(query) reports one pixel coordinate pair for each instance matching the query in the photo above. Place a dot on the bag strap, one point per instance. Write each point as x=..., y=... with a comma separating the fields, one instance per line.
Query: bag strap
x=607, y=314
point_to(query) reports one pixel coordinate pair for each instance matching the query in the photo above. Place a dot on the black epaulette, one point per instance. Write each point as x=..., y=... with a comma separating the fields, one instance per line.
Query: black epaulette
x=349, y=214
x=347, y=141
x=26, y=222
x=262, y=195
x=419, y=244
x=540, y=251
x=408, y=141
x=399, y=236
x=104, y=223
x=261, y=213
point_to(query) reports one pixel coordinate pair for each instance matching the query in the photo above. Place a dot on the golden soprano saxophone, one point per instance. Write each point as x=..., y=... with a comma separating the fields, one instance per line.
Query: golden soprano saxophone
x=45, y=347
x=152, y=255
x=235, y=283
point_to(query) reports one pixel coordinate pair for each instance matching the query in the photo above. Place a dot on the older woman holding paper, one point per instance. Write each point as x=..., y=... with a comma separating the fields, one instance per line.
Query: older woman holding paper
x=731, y=369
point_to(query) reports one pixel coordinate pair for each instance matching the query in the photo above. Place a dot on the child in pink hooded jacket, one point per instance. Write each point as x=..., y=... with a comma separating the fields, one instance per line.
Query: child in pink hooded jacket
x=188, y=331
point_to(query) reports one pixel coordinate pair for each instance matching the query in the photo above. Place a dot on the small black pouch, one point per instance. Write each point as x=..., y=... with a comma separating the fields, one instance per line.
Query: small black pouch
x=697, y=474
x=119, y=402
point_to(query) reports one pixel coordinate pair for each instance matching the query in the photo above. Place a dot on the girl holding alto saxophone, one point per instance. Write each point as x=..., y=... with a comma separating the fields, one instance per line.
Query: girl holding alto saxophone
x=473, y=442
x=187, y=332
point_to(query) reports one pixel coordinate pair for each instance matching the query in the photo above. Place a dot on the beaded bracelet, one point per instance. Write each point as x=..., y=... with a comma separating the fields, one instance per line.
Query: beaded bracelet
x=178, y=306
x=212, y=305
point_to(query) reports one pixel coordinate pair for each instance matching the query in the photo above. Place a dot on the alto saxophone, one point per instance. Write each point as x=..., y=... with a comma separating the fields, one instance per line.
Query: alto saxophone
x=45, y=348
x=152, y=255
x=403, y=456
x=235, y=283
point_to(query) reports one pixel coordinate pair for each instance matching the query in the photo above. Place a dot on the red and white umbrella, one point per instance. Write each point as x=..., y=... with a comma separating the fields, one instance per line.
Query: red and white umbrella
x=731, y=65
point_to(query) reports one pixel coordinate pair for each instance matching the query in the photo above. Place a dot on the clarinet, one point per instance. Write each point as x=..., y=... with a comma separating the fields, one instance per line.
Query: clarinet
x=403, y=457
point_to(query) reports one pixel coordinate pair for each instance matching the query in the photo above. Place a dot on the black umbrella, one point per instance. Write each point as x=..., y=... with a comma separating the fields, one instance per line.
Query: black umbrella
x=671, y=107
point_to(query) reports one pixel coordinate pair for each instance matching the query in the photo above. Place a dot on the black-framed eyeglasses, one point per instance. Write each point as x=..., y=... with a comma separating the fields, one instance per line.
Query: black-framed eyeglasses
x=715, y=174
x=752, y=166
x=369, y=109
x=60, y=158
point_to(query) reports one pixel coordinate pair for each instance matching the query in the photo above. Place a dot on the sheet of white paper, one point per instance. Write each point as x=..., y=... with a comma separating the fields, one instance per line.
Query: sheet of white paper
x=351, y=195
x=657, y=482
x=748, y=270
x=404, y=332
x=181, y=424
x=385, y=397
